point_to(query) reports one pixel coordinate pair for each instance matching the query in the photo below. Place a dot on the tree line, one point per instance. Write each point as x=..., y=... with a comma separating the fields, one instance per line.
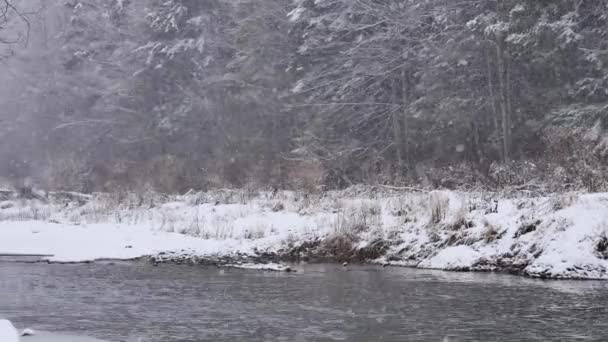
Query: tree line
x=317, y=94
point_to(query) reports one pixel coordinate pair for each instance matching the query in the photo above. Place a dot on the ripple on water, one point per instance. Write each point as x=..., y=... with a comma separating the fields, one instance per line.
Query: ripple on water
x=321, y=303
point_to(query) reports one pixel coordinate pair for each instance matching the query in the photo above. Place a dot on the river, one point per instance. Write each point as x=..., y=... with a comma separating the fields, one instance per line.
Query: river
x=144, y=303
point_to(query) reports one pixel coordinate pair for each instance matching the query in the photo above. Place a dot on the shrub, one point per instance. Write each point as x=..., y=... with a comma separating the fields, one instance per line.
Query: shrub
x=340, y=246
x=490, y=234
x=601, y=247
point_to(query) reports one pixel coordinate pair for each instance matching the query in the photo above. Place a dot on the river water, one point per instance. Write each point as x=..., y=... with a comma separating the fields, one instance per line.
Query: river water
x=141, y=302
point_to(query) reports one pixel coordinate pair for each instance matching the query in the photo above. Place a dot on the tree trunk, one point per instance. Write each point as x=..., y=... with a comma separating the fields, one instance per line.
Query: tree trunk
x=397, y=130
x=477, y=143
x=509, y=92
x=504, y=103
x=491, y=91
x=405, y=101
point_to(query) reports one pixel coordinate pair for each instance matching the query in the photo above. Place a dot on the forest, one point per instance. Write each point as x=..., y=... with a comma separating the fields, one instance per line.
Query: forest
x=173, y=95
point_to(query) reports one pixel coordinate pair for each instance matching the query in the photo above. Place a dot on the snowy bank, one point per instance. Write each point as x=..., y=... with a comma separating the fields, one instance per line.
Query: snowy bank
x=8, y=333
x=558, y=236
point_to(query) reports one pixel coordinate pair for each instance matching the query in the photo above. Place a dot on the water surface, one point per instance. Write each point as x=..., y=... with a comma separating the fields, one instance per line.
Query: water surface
x=141, y=302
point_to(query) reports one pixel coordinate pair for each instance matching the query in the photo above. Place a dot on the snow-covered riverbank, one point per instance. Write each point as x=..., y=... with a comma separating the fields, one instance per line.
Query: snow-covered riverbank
x=8, y=333
x=559, y=236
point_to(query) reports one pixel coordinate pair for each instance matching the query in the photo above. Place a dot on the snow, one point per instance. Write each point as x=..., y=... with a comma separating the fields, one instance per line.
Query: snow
x=519, y=8
x=568, y=241
x=298, y=87
x=28, y=332
x=555, y=236
x=69, y=243
x=8, y=333
x=295, y=14
x=452, y=258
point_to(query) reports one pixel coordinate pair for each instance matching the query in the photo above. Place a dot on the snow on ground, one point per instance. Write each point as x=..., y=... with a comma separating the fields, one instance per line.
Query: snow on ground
x=8, y=333
x=452, y=258
x=69, y=243
x=559, y=236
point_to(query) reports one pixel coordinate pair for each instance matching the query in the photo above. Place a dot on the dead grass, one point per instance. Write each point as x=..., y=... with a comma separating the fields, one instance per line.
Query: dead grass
x=562, y=201
x=438, y=205
x=459, y=220
x=279, y=206
x=601, y=247
x=490, y=234
x=29, y=212
x=357, y=218
x=340, y=246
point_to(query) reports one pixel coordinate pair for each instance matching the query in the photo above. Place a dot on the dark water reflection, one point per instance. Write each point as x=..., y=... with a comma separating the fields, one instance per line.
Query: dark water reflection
x=139, y=302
